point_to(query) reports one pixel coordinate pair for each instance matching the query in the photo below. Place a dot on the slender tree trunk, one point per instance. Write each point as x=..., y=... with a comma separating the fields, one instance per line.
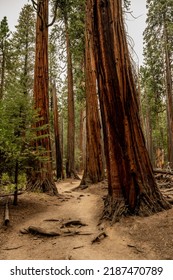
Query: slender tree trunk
x=169, y=97
x=94, y=171
x=59, y=167
x=41, y=177
x=2, y=72
x=131, y=185
x=71, y=121
x=148, y=128
x=81, y=139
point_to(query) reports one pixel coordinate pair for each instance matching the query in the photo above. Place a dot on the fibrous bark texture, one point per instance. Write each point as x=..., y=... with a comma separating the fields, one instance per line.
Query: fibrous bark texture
x=94, y=171
x=70, y=172
x=40, y=177
x=131, y=185
x=59, y=165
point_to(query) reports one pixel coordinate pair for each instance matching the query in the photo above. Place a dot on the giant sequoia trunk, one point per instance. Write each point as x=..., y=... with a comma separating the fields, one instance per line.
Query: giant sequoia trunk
x=169, y=96
x=131, y=185
x=94, y=171
x=41, y=177
x=71, y=121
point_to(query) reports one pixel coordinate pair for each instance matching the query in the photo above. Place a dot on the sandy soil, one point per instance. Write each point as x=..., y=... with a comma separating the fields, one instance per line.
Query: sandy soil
x=130, y=238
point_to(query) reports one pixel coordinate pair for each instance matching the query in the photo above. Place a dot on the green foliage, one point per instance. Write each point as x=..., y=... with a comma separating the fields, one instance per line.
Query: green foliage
x=8, y=184
x=17, y=115
x=153, y=74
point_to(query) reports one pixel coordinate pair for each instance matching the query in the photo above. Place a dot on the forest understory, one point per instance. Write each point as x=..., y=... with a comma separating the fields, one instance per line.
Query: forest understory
x=68, y=226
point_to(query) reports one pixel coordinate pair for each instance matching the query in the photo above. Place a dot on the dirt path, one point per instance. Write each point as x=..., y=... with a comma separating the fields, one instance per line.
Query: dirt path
x=124, y=240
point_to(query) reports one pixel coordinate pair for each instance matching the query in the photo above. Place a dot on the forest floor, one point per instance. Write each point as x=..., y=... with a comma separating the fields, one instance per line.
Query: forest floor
x=132, y=238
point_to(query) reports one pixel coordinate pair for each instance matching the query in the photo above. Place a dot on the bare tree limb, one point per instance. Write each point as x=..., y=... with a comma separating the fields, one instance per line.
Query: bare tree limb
x=54, y=14
x=35, y=5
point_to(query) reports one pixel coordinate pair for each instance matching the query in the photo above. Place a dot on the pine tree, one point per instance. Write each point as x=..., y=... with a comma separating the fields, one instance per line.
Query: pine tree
x=158, y=68
x=4, y=34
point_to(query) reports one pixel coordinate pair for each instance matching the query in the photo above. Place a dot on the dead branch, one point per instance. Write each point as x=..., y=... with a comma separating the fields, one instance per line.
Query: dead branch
x=10, y=194
x=42, y=231
x=99, y=237
x=13, y=248
x=133, y=246
x=51, y=220
x=73, y=233
x=73, y=223
x=78, y=247
x=54, y=14
x=162, y=171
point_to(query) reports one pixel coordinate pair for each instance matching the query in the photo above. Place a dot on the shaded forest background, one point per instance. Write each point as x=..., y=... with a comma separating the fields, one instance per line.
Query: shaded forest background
x=40, y=145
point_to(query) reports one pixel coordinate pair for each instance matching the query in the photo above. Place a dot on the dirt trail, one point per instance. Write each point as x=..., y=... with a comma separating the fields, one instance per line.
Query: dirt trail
x=122, y=241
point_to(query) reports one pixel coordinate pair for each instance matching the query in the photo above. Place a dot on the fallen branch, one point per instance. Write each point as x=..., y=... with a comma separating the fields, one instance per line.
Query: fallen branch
x=78, y=247
x=73, y=223
x=73, y=233
x=10, y=194
x=42, y=231
x=133, y=246
x=162, y=171
x=13, y=248
x=99, y=237
x=51, y=220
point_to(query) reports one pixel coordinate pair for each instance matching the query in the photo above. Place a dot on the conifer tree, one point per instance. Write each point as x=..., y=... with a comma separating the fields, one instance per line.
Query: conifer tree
x=158, y=38
x=4, y=34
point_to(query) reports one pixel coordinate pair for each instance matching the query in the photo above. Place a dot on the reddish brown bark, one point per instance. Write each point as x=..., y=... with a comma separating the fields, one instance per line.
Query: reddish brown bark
x=169, y=88
x=81, y=140
x=41, y=176
x=71, y=118
x=131, y=185
x=59, y=165
x=94, y=171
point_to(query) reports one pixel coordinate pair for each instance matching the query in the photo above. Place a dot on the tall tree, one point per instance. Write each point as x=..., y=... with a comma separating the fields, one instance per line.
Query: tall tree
x=158, y=50
x=59, y=163
x=131, y=185
x=41, y=176
x=17, y=94
x=71, y=114
x=94, y=171
x=4, y=34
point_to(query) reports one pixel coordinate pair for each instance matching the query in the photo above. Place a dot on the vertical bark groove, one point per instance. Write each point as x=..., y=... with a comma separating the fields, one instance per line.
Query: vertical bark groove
x=41, y=177
x=130, y=175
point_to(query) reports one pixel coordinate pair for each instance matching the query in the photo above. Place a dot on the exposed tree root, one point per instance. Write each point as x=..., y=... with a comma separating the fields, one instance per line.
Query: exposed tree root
x=75, y=175
x=114, y=209
x=42, y=185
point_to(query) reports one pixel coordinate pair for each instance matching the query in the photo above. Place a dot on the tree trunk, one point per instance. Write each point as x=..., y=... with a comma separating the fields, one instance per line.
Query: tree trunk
x=2, y=72
x=81, y=140
x=131, y=185
x=41, y=177
x=71, y=121
x=169, y=97
x=59, y=166
x=148, y=128
x=94, y=171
